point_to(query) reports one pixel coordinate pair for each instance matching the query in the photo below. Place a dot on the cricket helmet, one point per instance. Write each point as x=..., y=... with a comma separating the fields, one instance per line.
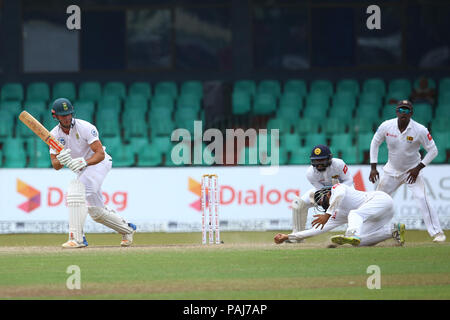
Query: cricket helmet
x=62, y=107
x=320, y=157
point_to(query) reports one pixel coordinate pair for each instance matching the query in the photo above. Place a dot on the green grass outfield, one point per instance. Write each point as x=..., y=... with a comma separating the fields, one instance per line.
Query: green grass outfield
x=248, y=266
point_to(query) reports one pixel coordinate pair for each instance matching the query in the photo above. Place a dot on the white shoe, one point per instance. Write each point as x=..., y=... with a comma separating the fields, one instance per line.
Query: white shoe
x=127, y=239
x=72, y=244
x=294, y=241
x=440, y=237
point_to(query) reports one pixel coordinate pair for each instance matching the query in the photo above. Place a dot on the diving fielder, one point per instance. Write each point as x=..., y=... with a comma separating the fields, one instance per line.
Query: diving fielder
x=368, y=215
x=85, y=156
x=324, y=171
x=404, y=137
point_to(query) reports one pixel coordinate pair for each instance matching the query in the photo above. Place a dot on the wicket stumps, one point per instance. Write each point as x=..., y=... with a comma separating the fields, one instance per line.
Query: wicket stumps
x=209, y=195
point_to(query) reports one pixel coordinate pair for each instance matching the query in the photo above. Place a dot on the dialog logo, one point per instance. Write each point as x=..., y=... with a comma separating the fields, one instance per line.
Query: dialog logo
x=33, y=196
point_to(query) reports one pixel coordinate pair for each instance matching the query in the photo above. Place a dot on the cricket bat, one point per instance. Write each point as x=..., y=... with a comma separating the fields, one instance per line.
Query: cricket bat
x=40, y=131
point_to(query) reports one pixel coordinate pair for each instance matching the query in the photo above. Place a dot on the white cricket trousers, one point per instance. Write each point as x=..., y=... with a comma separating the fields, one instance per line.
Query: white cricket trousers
x=372, y=220
x=389, y=184
x=92, y=177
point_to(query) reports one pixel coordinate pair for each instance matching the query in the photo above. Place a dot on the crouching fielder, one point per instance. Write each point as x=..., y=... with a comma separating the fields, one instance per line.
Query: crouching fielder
x=368, y=215
x=85, y=156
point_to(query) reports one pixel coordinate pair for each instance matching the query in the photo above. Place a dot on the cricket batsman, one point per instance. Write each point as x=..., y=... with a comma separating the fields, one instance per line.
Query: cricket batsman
x=85, y=155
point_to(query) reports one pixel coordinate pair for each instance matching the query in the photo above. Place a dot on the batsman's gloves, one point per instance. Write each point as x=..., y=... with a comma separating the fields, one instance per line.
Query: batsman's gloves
x=77, y=164
x=64, y=157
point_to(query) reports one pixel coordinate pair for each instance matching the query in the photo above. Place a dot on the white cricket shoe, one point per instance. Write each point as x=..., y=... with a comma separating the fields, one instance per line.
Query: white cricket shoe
x=127, y=239
x=72, y=244
x=440, y=237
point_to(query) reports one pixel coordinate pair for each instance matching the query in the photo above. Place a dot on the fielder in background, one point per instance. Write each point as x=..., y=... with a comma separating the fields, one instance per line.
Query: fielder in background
x=404, y=137
x=324, y=171
x=368, y=215
x=85, y=156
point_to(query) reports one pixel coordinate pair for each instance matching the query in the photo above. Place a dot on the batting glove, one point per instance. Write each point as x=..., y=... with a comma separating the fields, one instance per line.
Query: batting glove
x=77, y=164
x=64, y=157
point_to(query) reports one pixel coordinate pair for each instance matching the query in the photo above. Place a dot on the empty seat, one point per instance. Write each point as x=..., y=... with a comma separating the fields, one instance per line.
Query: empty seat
x=111, y=103
x=400, y=84
x=13, y=151
x=107, y=123
x=163, y=100
x=38, y=153
x=300, y=155
x=6, y=124
x=372, y=98
x=115, y=88
x=90, y=90
x=278, y=123
x=140, y=88
x=12, y=91
x=248, y=86
x=269, y=86
x=317, y=99
x=297, y=86
x=315, y=112
x=13, y=106
x=306, y=125
x=84, y=109
x=388, y=112
x=376, y=85
x=332, y=126
x=192, y=87
x=122, y=156
x=423, y=111
x=444, y=84
x=149, y=156
x=348, y=85
x=393, y=97
x=442, y=110
x=64, y=89
x=36, y=108
x=322, y=86
x=290, y=141
x=38, y=91
x=265, y=103
x=291, y=99
x=313, y=139
x=368, y=111
x=351, y=155
x=241, y=102
x=344, y=100
x=136, y=103
x=340, y=141
x=134, y=125
x=167, y=87
x=190, y=100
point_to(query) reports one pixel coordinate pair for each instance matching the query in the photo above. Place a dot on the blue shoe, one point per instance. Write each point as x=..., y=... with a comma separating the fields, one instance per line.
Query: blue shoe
x=132, y=226
x=85, y=241
x=341, y=239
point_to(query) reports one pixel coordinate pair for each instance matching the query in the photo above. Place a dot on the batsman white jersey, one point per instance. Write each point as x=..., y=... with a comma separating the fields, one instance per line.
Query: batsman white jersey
x=81, y=135
x=368, y=214
x=403, y=155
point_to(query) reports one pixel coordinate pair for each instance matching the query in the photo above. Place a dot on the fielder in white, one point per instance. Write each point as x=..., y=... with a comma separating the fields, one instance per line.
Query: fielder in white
x=324, y=171
x=85, y=156
x=368, y=215
x=404, y=137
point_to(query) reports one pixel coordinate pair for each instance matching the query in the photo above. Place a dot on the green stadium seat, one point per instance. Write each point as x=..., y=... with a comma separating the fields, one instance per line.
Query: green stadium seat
x=366, y=124
x=388, y=112
x=444, y=98
x=161, y=127
x=363, y=141
x=84, y=109
x=341, y=112
x=442, y=110
x=322, y=86
x=38, y=153
x=291, y=99
x=441, y=139
x=423, y=111
x=162, y=143
x=341, y=141
x=111, y=143
x=305, y=125
x=400, y=84
x=1, y=158
x=190, y=100
x=107, y=123
x=440, y=124
x=317, y=99
x=64, y=89
x=290, y=141
x=313, y=139
x=372, y=98
x=345, y=100
x=6, y=124
x=36, y=108
x=163, y=100
x=300, y=156
x=350, y=155
x=241, y=102
x=368, y=111
x=393, y=96
x=192, y=87
x=48, y=121
x=149, y=156
x=122, y=156
x=332, y=126
x=269, y=86
x=138, y=143
x=140, y=88
x=289, y=114
x=264, y=104
x=383, y=154
x=185, y=117
x=376, y=85
x=22, y=131
x=297, y=86
x=248, y=86
x=431, y=83
x=13, y=106
x=90, y=90
x=168, y=88
x=136, y=103
x=278, y=123
x=12, y=91
x=134, y=125
x=111, y=103
x=444, y=84
x=115, y=88
x=38, y=91
x=13, y=158
x=317, y=113
x=348, y=85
